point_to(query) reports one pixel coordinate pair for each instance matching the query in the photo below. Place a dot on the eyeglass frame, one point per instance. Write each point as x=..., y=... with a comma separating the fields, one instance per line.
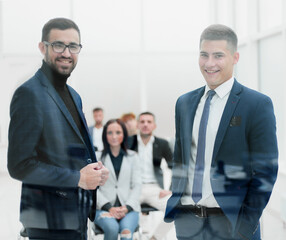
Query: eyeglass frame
x=66, y=46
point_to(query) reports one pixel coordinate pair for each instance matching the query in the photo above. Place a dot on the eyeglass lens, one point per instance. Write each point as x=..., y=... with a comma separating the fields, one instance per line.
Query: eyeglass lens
x=60, y=47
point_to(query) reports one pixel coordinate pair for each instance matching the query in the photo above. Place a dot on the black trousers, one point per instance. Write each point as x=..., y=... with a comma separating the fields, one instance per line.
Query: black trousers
x=46, y=234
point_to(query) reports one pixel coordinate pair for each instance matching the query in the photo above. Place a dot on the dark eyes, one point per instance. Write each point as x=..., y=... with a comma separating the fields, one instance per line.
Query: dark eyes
x=204, y=55
x=117, y=132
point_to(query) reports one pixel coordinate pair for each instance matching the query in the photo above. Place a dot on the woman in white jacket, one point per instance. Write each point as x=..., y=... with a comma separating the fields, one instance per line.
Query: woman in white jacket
x=118, y=203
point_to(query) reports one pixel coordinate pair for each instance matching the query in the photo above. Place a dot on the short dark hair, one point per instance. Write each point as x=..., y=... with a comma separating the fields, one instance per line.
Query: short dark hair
x=106, y=147
x=146, y=113
x=97, y=109
x=220, y=32
x=58, y=23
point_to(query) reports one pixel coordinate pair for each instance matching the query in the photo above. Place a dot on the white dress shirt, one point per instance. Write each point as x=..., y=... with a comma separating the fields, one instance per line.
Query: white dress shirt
x=145, y=153
x=217, y=106
x=97, y=138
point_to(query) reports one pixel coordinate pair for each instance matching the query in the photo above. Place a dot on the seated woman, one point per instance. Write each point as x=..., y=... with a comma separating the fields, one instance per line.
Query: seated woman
x=118, y=203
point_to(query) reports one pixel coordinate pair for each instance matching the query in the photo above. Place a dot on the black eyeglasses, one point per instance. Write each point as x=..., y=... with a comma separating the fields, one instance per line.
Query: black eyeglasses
x=60, y=47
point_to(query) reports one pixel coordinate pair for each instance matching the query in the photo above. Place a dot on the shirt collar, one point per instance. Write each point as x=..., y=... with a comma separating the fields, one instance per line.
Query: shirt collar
x=121, y=153
x=152, y=139
x=223, y=89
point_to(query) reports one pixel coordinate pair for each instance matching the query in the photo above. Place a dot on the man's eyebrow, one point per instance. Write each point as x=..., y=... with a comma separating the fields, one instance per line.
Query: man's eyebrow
x=71, y=43
x=58, y=42
x=218, y=53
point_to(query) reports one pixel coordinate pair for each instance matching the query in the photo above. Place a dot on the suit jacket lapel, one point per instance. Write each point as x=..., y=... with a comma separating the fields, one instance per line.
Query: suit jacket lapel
x=193, y=103
x=155, y=148
x=108, y=164
x=121, y=176
x=187, y=119
x=78, y=104
x=226, y=117
x=55, y=96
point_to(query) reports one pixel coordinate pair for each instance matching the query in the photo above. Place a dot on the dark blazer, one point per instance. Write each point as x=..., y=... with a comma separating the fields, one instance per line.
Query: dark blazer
x=90, y=130
x=244, y=162
x=161, y=149
x=46, y=151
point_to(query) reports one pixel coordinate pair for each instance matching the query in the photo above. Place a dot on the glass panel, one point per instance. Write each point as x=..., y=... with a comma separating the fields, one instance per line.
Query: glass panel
x=172, y=76
x=271, y=73
x=22, y=30
x=270, y=14
x=174, y=25
x=241, y=18
x=224, y=12
x=109, y=26
x=241, y=67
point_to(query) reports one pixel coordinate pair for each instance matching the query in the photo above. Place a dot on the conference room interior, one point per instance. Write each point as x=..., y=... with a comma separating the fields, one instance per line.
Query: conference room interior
x=141, y=55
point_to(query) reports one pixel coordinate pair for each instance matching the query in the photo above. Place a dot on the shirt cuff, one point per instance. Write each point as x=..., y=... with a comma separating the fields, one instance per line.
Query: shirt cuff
x=106, y=206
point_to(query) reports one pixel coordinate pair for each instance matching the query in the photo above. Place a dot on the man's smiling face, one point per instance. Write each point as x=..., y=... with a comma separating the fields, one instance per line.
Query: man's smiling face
x=216, y=62
x=65, y=62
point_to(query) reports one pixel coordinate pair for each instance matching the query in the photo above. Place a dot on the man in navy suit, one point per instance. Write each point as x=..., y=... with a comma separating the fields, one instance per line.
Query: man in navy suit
x=239, y=153
x=50, y=149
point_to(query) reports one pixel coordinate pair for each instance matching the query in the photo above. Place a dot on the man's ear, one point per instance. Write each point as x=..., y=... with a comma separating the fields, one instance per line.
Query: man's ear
x=42, y=48
x=155, y=126
x=236, y=57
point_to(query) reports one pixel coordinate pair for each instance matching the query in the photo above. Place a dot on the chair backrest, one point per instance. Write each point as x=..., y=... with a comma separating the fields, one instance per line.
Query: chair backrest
x=146, y=208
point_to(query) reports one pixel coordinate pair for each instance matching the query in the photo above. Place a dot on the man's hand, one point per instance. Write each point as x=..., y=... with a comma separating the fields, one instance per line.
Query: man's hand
x=164, y=193
x=104, y=173
x=92, y=176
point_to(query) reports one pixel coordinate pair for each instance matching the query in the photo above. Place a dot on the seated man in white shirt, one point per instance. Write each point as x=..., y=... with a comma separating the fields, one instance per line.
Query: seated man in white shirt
x=95, y=131
x=151, y=151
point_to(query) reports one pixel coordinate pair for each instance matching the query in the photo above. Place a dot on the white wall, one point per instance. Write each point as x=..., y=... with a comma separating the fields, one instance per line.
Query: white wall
x=137, y=55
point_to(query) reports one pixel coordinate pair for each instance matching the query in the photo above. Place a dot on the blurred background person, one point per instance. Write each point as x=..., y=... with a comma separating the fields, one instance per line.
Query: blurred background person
x=130, y=122
x=118, y=201
x=97, y=129
x=152, y=150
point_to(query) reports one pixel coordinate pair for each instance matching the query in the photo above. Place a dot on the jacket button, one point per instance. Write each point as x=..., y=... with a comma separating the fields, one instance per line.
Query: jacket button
x=62, y=194
x=89, y=160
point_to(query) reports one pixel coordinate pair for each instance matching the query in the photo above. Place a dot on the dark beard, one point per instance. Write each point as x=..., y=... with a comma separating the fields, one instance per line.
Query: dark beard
x=58, y=79
x=54, y=69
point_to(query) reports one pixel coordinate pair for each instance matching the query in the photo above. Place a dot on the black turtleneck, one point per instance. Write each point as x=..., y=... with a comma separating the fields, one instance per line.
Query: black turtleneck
x=59, y=82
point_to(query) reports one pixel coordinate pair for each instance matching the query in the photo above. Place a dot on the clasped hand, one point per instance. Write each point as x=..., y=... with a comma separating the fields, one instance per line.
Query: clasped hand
x=118, y=212
x=93, y=175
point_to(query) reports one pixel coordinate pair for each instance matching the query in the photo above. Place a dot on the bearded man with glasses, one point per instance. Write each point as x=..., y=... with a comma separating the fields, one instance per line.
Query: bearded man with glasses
x=50, y=150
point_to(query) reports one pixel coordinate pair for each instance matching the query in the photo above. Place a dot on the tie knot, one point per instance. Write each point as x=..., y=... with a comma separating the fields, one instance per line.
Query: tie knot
x=211, y=93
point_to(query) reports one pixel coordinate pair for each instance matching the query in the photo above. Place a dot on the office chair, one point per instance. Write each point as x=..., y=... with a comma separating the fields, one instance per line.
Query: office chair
x=146, y=208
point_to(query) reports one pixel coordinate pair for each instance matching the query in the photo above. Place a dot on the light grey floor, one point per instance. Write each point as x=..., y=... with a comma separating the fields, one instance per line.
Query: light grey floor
x=9, y=207
x=272, y=226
